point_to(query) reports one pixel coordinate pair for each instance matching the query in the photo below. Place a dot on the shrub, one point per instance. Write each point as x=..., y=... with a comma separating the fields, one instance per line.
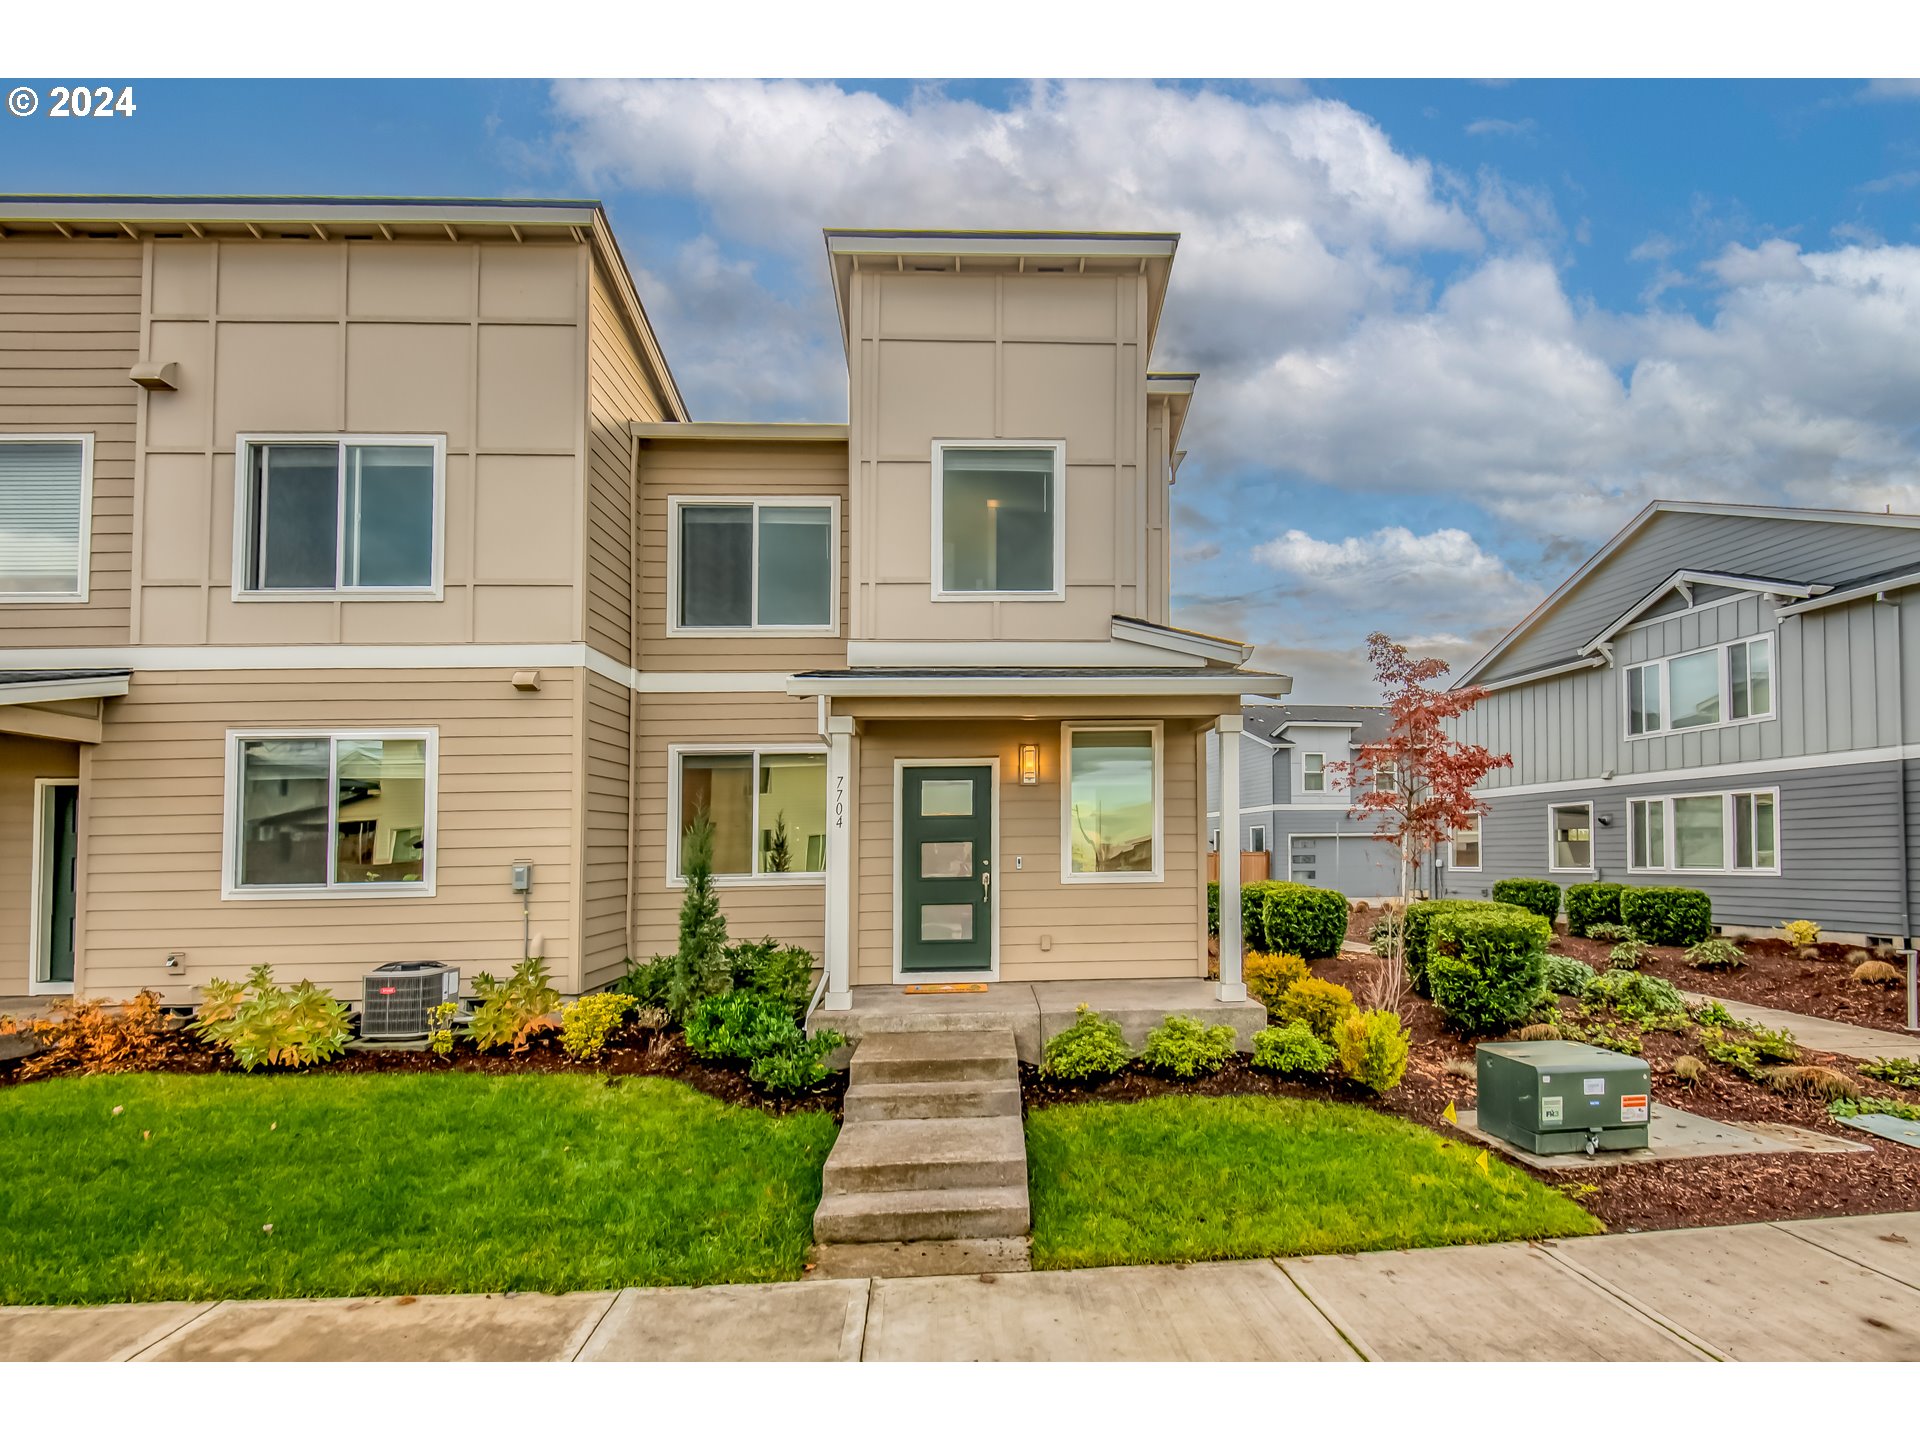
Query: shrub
x=1667, y=914
x=1318, y=1004
x=1563, y=975
x=784, y=972
x=1302, y=919
x=1184, y=1048
x=1382, y=933
x=1778, y=1046
x=1091, y=1048
x=1590, y=905
x=1712, y=1012
x=440, y=1027
x=1875, y=972
x=1628, y=954
x=1537, y=1032
x=1485, y=968
x=1800, y=932
x=1869, y=1105
x=741, y=1025
x=1420, y=918
x=92, y=1038
x=1292, y=1050
x=1672, y=1024
x=699, y=967
x=1901, y=1071
x=1750, y=1054
x=1269, y=977
x=1689, y=1069
x=647, y=981
x=1820, y=1080
x=1636, y=996
x=800, y=1066
x=1610, y=932
x=589, y=1022
x=1373, y=1049
x=1717, y=953
x=513, y=1011
x=261, y=1024
x=1542, y=897
x=1252, y=919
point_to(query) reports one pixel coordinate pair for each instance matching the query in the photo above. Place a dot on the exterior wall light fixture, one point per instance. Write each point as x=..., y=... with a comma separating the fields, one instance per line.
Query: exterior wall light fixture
x=1029, y=763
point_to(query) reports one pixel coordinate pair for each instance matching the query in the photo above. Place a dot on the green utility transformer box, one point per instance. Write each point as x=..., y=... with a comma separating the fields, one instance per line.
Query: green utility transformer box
x=1554, y=1097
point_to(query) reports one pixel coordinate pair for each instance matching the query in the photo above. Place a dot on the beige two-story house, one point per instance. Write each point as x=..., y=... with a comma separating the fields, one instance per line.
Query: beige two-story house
x=368, y=594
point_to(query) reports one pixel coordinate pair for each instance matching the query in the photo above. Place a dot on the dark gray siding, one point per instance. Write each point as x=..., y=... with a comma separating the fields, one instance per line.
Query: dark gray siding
x=1839, y=845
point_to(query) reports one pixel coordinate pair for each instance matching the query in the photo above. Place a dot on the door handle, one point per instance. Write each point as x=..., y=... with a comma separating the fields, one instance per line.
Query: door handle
x=986, y=881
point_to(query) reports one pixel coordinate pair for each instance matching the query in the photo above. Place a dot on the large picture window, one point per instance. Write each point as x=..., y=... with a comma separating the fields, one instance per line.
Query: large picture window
x=747, y=564
x=1111, y=802
x=768, y=808
x=325, y=514
x=46, y=505
x=1726, y=684
x=999, y=524
x=341, y=813
x=1718, y=833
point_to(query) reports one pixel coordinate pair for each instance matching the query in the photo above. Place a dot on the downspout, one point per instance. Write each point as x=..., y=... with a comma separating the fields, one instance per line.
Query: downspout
x=633, y=664
x=1900, y=740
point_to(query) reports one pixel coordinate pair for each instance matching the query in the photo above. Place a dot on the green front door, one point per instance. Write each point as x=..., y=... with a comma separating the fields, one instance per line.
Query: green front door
x=946, y=868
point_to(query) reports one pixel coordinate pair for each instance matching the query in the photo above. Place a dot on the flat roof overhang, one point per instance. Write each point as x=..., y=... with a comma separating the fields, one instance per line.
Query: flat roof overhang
x=740, y=431
x=1031, y=684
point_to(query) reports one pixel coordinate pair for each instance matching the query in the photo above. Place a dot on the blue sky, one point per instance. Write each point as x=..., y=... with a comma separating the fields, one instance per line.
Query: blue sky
x=1451, y=334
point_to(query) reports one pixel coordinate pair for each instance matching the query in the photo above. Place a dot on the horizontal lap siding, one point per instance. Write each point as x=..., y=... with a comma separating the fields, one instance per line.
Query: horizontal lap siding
x=1098, y=931
x=608, y=835
x=69, y=333
x=771, y=471
x=22, y=761
x=153, y=818
x=1839, y=847
x=793, y=913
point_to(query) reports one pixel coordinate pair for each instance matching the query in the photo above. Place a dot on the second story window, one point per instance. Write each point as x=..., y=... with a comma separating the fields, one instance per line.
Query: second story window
x=1313, y=772
x=999, y=531
x=327, y=514
x=46, y=486
x=755, y=565
x=1723, y=685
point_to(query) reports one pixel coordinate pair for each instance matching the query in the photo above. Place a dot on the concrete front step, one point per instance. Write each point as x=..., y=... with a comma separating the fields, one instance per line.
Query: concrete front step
x=908, y=1259
x=974, y=1213
x=882, y=1155
x=935, y=1055
x=932, y=1100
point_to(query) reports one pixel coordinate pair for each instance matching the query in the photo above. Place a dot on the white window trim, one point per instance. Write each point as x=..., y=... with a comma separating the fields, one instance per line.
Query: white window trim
x=41, y=893
x=939, y=573
x=1257, y=833
x=84, y=574
x=676, y=503
x=243, y=520
x=1553, y=840
x=677, y=881
x=1326, y=787
x=1727, y=837
x=1480, y=840
x=1667, y=727
x=423, y=888
x=1068, y=875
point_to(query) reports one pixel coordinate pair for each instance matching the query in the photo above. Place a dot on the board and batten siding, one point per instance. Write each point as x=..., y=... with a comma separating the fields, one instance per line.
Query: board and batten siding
x=1839, y=846
x=672, y=469
x=1094, y=932
x=23, y=760
x=152, y=816
x=70, y=318
x=793, y=911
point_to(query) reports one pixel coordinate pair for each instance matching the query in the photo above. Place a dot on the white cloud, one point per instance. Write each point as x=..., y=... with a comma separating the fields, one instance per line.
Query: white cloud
x=1891, y=90
x=1393, y=562
x=1508, y=129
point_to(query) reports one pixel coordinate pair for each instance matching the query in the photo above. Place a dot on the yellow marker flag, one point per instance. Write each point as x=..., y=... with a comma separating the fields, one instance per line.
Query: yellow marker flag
x=1481, y=1160
x=1450, y=1115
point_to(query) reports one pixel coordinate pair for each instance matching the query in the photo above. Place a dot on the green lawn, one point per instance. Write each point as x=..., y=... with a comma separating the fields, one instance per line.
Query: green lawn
x=1191, y=1178
x=393, y=1184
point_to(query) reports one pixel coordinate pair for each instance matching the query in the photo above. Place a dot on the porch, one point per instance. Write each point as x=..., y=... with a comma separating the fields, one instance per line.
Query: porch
x=1037, y=1010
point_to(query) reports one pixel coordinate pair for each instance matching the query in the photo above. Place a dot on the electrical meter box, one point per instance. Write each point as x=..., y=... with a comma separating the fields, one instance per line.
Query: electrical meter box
x=1553, y=1097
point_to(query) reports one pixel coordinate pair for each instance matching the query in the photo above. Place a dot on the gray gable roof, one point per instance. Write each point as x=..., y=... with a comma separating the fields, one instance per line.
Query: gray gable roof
x=1368, y=722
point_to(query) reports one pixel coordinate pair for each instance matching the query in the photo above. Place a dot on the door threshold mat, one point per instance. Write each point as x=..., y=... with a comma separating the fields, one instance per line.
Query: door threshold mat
x=966, y=988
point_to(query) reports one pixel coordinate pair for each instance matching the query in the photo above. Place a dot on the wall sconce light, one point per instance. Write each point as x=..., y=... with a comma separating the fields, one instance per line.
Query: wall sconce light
x=1029, y=763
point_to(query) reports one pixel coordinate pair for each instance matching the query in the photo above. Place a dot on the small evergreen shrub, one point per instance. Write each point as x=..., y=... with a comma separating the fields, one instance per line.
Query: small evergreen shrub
x=1778, y=1046
x=261, y=1024
x=1292, y=1050
x=1542, y=897
x=1800, y=932
x=513, y=1011
x=1318, y=1004
x=1711, y=1012
x=1269, y=977
x=1667, y=914
x=800, y=1066
x=784, y=972
x=589, y=1022
x=647, y=981
x=1629, y=954
x=699, y=966
x=1091, y=1048
x=1373, y=1048
x=1592, y=904
x=1634, y=996
x=1738, y=1056
x=1184, y=1048
x=741, y=1025
x=1420, y=917
x=1487, y=969
x=1302, y=919
x=1716, y=953
x=1563, y=975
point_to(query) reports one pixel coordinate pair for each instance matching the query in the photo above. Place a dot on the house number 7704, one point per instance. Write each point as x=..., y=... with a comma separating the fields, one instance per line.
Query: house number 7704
x=839, y=802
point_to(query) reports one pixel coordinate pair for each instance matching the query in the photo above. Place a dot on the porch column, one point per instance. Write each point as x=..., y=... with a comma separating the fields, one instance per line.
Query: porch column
x=839, y=938
x=1231, y=987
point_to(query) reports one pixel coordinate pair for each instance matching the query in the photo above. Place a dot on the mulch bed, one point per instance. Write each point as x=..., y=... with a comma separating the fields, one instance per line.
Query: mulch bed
x=630, y=1051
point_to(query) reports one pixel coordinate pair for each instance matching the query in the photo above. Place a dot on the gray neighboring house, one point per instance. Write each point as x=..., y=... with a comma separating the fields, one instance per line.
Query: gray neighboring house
x=1290, y=807
x=1726, y=697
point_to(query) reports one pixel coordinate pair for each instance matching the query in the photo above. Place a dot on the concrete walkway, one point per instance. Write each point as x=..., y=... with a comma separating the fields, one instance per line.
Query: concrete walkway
x=1843, y=1289
x=1833, y=1037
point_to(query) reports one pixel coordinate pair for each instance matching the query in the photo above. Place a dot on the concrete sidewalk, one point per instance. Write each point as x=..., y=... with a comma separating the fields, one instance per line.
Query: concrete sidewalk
x=1834, y=1037
x=1843, y=1289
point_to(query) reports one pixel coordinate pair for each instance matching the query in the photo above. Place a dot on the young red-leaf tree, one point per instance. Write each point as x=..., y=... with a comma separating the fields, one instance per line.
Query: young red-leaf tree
x=1417, y=784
